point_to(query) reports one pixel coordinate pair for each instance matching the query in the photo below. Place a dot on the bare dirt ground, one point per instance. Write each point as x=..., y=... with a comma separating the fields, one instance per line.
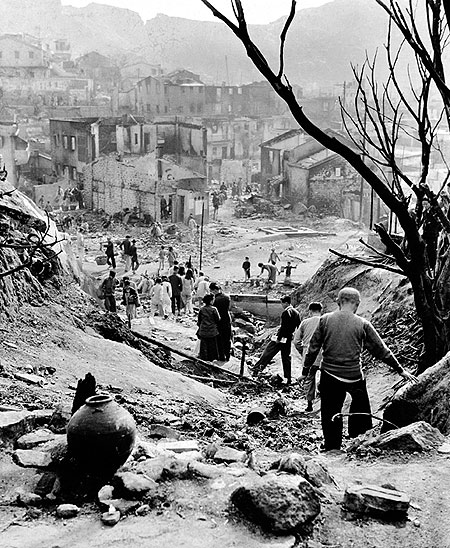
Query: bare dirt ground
x=198, y=514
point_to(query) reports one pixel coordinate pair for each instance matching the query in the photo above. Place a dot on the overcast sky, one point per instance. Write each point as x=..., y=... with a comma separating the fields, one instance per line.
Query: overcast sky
x=257, y=11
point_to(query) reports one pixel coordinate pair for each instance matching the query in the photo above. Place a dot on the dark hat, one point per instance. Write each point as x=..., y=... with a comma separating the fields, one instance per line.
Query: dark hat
x=214, y=287
x=286, y=299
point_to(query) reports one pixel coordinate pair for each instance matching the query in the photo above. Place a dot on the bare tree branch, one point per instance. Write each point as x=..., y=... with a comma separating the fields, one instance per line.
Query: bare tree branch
x=283, y=36
x=367, y=263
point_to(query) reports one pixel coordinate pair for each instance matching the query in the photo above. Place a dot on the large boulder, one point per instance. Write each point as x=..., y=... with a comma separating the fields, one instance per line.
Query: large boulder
x=281, y=504
x=428, y=400
x=418, y=436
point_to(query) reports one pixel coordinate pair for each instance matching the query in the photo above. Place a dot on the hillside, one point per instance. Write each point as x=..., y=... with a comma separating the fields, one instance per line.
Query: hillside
x=322, y=42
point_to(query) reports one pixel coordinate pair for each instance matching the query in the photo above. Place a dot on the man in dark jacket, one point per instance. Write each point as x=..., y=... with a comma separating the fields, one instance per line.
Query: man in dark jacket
x=281, y=342
x=223, y=304
x=134, y=256
x=110, y=255
x=109, y=289
x=177, y=286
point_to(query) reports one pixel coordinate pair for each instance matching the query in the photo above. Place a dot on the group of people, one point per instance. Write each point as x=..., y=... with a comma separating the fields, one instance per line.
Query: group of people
x=271, y=268
x=332, y=343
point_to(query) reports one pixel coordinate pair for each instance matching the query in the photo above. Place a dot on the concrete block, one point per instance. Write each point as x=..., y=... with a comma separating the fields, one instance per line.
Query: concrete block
x=363, y=499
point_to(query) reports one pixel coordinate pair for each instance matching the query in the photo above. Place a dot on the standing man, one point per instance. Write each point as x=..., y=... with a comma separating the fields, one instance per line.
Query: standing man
x=216, y=204
x=177, y=285
x=125, y=247
x=110, y=255
x=246, y=266
x=273, y=257
x=134, y=256
x=171, y=257
x=223, y=304
x=161, y=256
x=192, y=224
x=281, y=342
x=201, y=287
x=301, y=342
x=342, y=335
x=109, y=289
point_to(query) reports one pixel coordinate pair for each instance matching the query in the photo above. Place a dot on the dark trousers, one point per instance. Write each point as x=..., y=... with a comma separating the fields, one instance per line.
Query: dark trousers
x=271, y=351
x=110, y=303
x=111, y=260
x=224, y=342
x=247, y=273
x=134, y=263
x=332, y=395
x=176, y=303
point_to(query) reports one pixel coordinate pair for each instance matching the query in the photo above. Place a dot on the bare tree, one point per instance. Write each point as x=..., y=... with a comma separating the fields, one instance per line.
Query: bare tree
x=382, y=115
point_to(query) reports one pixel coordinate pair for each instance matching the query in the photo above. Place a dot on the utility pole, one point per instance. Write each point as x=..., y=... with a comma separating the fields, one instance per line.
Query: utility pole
x=201, y=235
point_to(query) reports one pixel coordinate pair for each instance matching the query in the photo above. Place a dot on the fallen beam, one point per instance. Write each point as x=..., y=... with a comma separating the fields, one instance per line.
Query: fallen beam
x=192, y=358
x=209, y=379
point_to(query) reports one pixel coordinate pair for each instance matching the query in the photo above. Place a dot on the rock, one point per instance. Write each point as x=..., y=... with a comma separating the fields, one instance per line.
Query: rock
x=281, y=504
x=152, y=468
x=143, y=448
x=175, y=469
x=143, y=510
x=291, y=464
x=159, y=431
x=179, y=446
x=279, y=408
x=189, y=455
x=42, y=416
x=203, y=470
x=111, y=517
x=14, y=424
x=371, y=499
x=249, y=327
x=29, y=378
x=34, y=513
x=418, y=436
x=123, y=506
x=31, y=440
x=228, y=455
x=46, y=484
x=31, y=458
x=317, y=473
x=106, y=493
x=29, y=499
x=133, y=486
x=60, y=419
x=67, y=511
x=444, y=449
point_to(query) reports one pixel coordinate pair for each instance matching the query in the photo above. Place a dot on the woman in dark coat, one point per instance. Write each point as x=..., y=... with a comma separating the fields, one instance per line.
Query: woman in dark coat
x=208, y=321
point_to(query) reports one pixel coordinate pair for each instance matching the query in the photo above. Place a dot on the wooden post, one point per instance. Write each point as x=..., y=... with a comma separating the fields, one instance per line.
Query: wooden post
x=201, y=236
x=244, y=348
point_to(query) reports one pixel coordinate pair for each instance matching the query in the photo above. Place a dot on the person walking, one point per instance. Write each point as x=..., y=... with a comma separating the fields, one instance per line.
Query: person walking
x=177, y=286
x=208, y=320
x=166, y=297
x=110, y=255
x=301, y=343
x=162, y=257
x=201, y=287
x=125, y=247
x=171, y=258
x=223, y=304
x=134, y=256
x=271, y=272
x=246, y=267
x=273, y=257
x=187, y=290
x=281, y=342
x=130, y=300
x=156, y=298
x=109, y=289
x=342, y=335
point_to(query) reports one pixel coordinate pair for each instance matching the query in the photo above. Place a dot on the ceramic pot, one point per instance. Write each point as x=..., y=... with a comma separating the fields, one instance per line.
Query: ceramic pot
x=101, y=435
